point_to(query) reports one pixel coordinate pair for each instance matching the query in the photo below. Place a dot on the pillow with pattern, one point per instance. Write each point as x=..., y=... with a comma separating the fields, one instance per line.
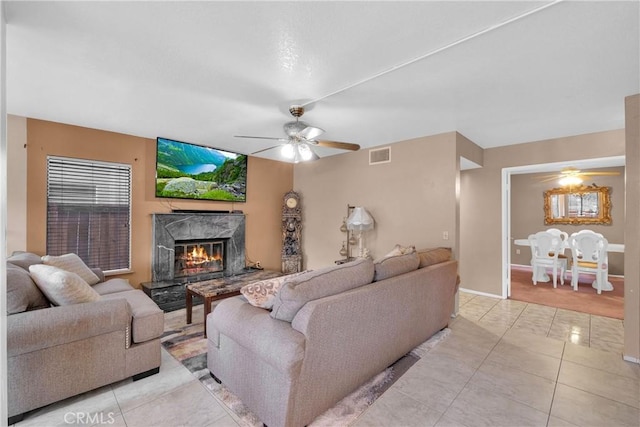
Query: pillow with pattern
x=400, y=250
x=263, y=293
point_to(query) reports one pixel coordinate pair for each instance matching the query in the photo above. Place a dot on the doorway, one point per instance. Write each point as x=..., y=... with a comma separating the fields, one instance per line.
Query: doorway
x=508, y=175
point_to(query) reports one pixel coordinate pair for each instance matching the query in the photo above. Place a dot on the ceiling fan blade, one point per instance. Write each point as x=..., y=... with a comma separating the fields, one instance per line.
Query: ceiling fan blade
x=552, y=178
x=310, y=132
x=337, y=144
x=262, y=137
x=266, y=149
x=540, y=177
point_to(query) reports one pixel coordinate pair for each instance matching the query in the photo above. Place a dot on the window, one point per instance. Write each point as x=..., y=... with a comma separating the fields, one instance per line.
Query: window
x=89, y=211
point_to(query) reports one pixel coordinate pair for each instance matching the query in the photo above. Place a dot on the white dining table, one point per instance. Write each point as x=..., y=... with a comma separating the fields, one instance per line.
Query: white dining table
x=542, y=276
x=612, y=247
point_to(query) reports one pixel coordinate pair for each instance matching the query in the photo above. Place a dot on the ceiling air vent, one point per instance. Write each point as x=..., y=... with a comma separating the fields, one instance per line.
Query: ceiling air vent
x=380, y=155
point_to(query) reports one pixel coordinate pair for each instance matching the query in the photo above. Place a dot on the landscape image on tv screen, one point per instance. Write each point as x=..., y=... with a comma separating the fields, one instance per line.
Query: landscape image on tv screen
x=189, y=171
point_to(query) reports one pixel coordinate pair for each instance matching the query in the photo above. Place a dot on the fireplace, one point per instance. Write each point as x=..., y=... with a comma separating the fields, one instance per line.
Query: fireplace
x=195, y=257
x=196, y=246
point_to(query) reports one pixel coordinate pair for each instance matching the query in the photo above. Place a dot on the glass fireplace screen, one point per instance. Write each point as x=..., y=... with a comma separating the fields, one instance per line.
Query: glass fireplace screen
x=192, y=258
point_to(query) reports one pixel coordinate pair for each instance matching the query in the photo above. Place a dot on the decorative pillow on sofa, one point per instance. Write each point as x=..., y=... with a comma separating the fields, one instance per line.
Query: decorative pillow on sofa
x=22, y=293
x=296, y=292
x=62, y=287
x=24, y=259
x=395, y=265
x=400, y=250
x=73, y=263
x=434, y=256
x=263, y=293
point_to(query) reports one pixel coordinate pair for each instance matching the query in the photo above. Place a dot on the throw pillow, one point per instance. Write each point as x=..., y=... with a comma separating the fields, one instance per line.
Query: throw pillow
x=24, y=259
x=433, y=256
x=74, y=264
x=263, y=293
x=400, y=250
x=296, y=292
x=395, y=265
x=62, y=287
x=22, y=293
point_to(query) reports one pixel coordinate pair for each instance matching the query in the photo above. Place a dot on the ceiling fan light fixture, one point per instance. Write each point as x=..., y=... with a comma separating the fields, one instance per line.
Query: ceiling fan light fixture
x=305, y=152
x=570, y=180
x=294, y=128
x=288, y=151
x=298, y=147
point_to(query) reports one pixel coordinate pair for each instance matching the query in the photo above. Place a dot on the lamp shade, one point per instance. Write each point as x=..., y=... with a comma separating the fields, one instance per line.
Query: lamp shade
x=359, y=219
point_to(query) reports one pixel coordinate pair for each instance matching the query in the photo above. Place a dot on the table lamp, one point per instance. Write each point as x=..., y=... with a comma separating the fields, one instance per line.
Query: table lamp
x=360, y=220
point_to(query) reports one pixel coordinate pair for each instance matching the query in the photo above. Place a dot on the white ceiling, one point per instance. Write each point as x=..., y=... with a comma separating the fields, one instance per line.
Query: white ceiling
x=369, y=73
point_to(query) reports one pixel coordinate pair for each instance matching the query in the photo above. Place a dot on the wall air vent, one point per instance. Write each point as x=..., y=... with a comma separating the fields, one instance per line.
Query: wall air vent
x=379, y=156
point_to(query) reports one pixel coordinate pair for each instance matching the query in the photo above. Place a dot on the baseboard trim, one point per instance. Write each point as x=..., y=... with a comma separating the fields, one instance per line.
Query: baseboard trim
x=484, y=294
x=631, y=359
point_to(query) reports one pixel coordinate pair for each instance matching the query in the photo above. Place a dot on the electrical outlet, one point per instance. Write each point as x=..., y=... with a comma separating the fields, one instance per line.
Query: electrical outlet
x=517, y=251
x=445, y=235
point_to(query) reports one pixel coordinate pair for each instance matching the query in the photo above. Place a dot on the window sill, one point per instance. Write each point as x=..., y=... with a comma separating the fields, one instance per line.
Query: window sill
x=117, y=272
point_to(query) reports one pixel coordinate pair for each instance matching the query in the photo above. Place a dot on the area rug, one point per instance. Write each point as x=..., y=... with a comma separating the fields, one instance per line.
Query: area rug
x=186, y=343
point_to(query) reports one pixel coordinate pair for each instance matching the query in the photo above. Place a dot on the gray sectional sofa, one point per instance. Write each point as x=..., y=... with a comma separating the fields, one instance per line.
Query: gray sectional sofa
x=329, y=331
x=55, y=352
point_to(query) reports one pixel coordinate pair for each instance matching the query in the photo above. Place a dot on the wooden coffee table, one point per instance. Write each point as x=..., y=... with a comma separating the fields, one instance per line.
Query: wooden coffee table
x=223, y=287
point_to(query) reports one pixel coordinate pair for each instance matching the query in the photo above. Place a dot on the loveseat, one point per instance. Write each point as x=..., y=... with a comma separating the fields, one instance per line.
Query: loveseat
x=55, y=352
x=328, y=332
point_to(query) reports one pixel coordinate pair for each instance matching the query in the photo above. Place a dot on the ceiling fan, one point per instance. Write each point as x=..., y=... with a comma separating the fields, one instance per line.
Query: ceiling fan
x=300, y=139
x=573, y=176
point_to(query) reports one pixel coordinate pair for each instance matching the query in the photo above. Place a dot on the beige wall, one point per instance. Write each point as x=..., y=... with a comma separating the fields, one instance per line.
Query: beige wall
x=527, y=213
x=412, y=198
x=267, y=181
x=632, y=230
x=17, y=183
x=469, y=150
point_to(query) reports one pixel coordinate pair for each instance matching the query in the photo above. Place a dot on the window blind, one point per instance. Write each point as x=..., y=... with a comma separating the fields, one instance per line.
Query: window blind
x=89, y=211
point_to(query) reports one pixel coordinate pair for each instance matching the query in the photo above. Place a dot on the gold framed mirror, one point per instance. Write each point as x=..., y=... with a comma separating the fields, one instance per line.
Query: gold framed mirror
x=578, y=205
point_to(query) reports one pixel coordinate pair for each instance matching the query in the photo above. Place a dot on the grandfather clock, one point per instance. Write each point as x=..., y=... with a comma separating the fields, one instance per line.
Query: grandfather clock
x=291, y=233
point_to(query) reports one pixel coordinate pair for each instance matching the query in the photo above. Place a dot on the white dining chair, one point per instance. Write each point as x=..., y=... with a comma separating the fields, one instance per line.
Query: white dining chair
x=589, y=255
x=564, y=236
x=545, y=250
x=587, y=231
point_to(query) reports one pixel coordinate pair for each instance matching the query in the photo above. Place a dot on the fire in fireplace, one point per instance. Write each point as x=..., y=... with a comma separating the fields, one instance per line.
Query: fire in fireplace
x=195, y=257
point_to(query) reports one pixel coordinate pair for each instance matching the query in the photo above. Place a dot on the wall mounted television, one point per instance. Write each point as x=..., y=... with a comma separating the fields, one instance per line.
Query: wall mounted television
x=190, y=171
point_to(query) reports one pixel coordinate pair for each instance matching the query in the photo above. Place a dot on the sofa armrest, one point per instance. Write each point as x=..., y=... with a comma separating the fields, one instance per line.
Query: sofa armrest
x=272, y=340
x=37, y=329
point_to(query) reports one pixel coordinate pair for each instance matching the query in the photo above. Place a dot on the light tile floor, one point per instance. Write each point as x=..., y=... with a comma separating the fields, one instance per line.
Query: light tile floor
x=507, y=363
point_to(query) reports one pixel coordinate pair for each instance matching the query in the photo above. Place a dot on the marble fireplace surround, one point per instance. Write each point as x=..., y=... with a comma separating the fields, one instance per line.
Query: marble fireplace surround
x=170, y=227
